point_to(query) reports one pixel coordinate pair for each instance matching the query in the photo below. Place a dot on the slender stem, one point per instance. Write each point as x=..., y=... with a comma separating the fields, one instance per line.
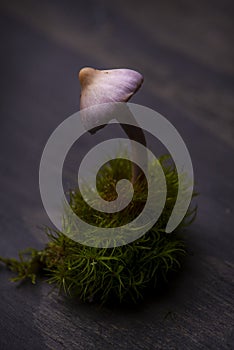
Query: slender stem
x=134, y=134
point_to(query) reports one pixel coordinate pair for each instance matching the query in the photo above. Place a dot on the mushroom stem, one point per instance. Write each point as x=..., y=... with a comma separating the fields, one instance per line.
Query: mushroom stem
x=135, y=134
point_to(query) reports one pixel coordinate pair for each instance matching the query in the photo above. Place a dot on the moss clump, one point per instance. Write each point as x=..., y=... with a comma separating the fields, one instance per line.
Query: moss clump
x=102, y=274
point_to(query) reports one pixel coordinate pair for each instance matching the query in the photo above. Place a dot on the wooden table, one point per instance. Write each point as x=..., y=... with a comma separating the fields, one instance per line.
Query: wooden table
x=184, y=49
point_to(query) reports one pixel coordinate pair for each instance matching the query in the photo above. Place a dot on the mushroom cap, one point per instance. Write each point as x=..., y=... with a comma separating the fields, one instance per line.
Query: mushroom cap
x=105, y=86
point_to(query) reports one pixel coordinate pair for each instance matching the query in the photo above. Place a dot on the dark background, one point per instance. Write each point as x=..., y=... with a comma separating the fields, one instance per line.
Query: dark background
x=184, y=49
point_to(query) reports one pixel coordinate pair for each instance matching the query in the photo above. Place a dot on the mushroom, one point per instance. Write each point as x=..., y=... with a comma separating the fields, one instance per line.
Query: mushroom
x=111, y=86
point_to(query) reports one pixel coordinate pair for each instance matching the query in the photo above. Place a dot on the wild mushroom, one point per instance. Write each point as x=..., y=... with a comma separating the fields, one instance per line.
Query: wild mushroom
x=110, y=86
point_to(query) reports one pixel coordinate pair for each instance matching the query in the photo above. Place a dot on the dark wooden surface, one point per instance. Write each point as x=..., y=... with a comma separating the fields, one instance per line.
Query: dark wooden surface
x=185, y=51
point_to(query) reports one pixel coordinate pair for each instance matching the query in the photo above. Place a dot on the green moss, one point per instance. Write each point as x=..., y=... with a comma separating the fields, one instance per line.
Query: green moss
x=124, y=273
